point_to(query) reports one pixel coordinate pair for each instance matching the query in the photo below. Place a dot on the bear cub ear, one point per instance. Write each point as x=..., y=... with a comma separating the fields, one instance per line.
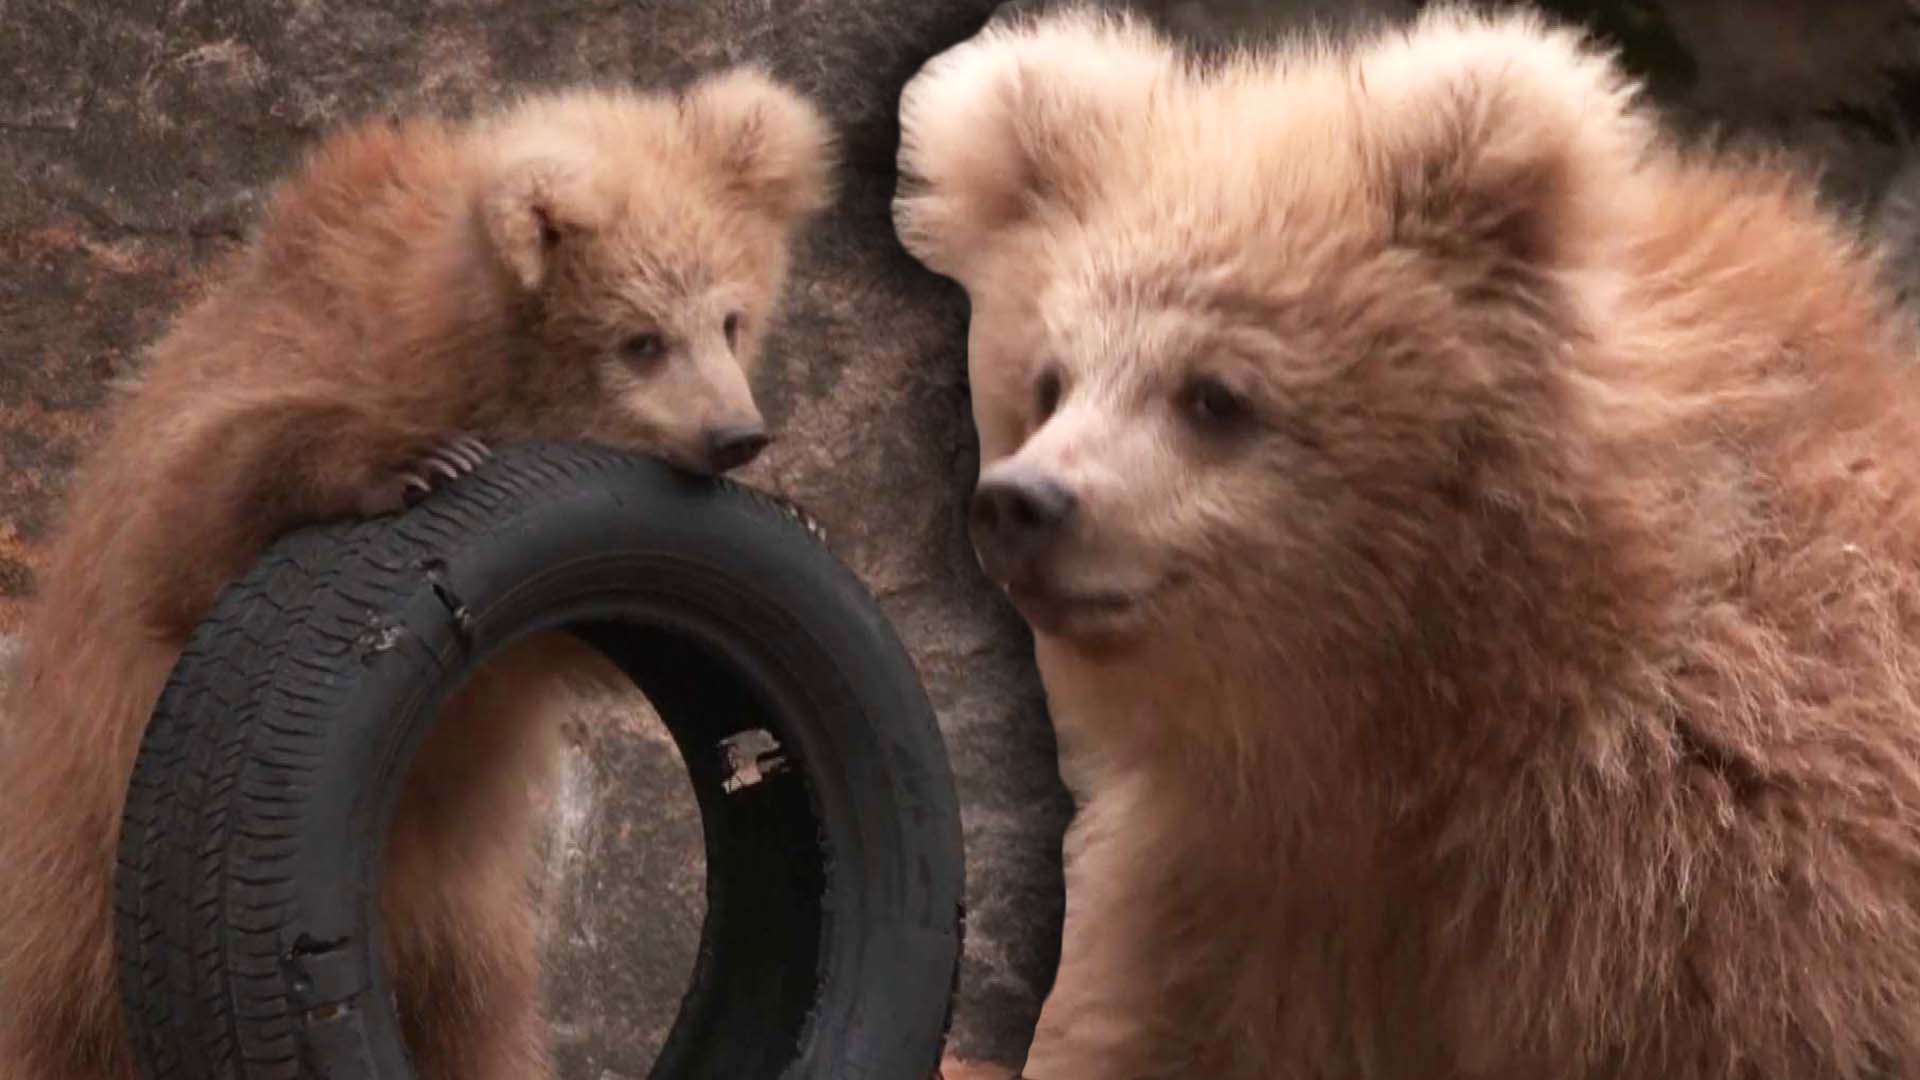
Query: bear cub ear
x=1012, y=119
x=1504, y=134
x=771, y=147
x=530, y=208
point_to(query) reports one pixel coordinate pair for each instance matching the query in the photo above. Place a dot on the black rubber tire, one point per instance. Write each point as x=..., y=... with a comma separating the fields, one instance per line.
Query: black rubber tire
x=248, y=927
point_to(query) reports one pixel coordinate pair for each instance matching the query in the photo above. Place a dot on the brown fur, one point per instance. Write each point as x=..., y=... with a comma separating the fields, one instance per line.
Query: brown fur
x=1522, y=681
x=414, y=281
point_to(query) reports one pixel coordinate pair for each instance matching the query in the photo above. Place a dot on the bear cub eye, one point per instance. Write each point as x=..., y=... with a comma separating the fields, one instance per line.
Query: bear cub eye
x=643, y=350
x=1046, y=393
x=731, y=327
x=1212, y=405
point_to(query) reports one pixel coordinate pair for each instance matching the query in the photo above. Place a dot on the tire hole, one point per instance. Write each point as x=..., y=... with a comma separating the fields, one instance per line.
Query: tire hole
x=749, y=758
x=331, y=1012
x=619, y=873
x=615, y=851
x=306, y=946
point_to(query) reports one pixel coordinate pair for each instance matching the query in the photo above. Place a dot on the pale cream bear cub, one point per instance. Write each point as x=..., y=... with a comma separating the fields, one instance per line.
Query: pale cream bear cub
x=1473, y=547
x=595, y=265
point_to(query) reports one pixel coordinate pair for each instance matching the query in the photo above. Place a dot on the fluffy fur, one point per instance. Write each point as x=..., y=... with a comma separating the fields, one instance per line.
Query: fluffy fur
x=1485, y=640
x=591, y=264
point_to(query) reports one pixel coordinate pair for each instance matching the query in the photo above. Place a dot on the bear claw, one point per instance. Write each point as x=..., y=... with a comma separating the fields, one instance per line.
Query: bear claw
x=405, y=487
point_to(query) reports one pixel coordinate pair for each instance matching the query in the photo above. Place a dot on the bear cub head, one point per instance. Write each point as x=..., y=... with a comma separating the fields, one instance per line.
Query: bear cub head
x=1265, y=334
x=643, y=239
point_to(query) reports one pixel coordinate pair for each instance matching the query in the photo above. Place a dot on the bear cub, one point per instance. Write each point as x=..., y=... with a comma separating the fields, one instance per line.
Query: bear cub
x=587, y=264
x=1473, y=548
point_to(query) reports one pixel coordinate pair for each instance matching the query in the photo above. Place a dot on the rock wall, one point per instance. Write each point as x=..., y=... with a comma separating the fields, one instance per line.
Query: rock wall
x=137, y=135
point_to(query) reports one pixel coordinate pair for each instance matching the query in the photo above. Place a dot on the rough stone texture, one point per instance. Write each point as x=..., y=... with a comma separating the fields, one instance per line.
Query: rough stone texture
x=136, y=136
x=619, y=870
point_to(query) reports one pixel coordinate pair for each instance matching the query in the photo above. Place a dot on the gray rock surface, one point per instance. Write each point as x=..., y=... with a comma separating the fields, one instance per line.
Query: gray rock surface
x=137, y=135
x=619, y=870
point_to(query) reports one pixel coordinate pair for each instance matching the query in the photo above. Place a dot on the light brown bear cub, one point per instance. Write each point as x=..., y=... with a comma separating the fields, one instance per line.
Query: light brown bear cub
x=592, y=264
x=1474, y=550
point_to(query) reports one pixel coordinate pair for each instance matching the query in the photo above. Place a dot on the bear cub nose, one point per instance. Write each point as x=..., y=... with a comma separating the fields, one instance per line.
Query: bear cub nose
x=1015, y=518
x=729, y=448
